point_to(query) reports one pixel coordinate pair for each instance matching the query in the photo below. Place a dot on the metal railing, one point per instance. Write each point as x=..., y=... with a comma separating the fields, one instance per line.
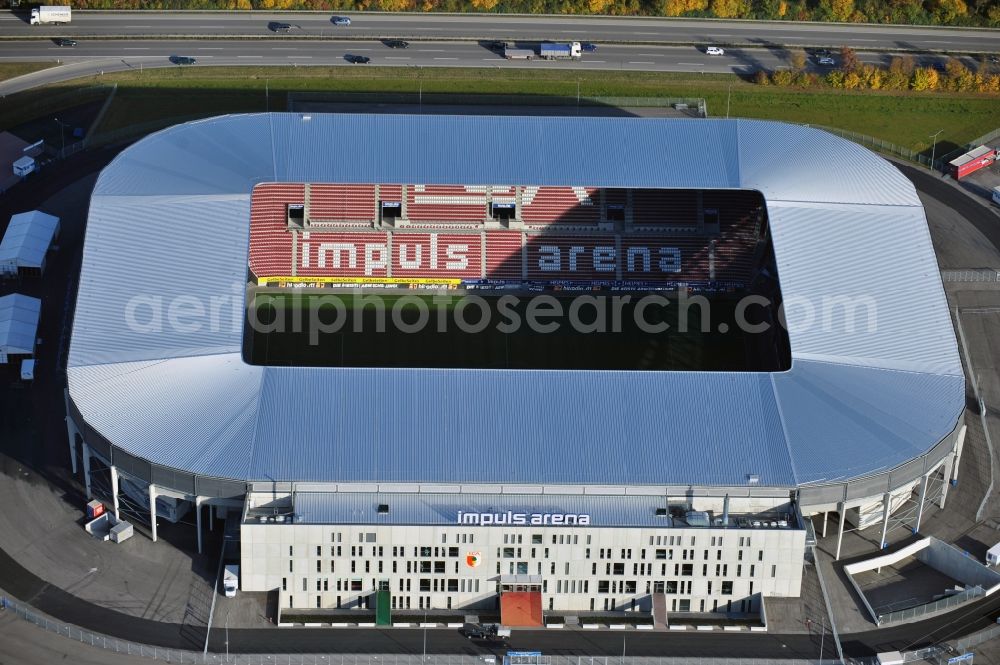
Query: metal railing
x=963, y=644
x=932, y=608
x=976, y=275
x=884, y=146
x=196, y=657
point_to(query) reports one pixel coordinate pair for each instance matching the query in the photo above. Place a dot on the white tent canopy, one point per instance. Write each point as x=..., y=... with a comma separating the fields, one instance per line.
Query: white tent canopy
x=18, y=325
x=26, y=241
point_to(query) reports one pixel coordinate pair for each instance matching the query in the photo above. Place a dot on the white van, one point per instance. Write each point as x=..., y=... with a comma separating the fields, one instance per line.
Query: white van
x=996, y=196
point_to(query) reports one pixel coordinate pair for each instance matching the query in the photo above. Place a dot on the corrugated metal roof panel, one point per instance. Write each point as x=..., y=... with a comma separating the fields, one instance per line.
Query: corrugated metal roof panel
x=169, y=221
x=19, y=323
x=27, y=239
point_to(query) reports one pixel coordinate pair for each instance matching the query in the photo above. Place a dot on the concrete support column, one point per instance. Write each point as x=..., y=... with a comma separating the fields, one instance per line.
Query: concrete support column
x=948, y=465
x=959, y=447
x=825, y=515
x=841, y=509
x=152, y=509
x=197, y=517
x=922, y=492
x=71, y=440
x=86, y=470
x=886, y=505
x=71, y=431
x=114, y=489
x=211, y=516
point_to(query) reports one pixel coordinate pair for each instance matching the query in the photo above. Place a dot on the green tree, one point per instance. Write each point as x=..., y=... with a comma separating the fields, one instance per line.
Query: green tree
x=797, y=59
x=924, y=78
x=730, y=8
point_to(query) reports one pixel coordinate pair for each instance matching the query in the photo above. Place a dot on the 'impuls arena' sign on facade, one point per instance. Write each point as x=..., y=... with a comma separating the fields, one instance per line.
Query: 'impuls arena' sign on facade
x=518, y=519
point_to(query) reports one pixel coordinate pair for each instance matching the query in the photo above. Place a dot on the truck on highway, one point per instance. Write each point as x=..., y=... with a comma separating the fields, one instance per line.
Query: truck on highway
x=230, y=580
x=551, y=51
x=50, y=15
x=511, y=52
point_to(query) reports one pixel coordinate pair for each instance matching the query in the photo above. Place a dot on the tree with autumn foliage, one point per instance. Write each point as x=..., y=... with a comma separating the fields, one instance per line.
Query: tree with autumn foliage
x=849, y=59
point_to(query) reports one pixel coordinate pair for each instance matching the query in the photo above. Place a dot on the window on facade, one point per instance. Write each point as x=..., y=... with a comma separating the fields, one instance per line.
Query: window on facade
x=727, y=588
x=508, y=552
x=453, y=552
x=618, y=569
x=439, y=566
x=452, y=585
x=683, y=605
x=425, y=551
x=603, y=586
x=425, y=584
x=522, y=567
x=425, y=566
x=671, y=586
x=687, y=570
x=661, y=554
x=774, y=571
x=629, y=586
x=536, y=539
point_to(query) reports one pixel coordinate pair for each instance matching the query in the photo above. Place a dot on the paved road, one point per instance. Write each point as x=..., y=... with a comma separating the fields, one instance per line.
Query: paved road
x=492, y=26
x=98, y=55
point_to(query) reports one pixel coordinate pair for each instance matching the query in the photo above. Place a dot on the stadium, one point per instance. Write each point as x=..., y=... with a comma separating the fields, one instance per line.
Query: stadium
x=229, y=352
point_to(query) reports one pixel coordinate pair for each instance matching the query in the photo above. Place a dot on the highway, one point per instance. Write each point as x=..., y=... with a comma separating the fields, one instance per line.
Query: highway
x=492, y=26
x=96, y=55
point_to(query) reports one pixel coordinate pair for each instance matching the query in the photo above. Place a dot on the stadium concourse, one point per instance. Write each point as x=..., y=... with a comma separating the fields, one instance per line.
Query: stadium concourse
x=408, y=483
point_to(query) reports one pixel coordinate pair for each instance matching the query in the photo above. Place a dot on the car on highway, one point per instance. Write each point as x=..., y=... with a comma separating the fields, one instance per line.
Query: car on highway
x=826, y=61
x=715, y=50
x=587, y=47
x=396, y=43
x=65, y=42
x=279, y=27
x=341, y=20
x=357, y=59
x=182, y=60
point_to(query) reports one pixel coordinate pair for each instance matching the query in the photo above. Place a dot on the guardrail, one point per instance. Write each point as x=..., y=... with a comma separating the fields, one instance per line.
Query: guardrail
x=977, y=275
x=931, y=608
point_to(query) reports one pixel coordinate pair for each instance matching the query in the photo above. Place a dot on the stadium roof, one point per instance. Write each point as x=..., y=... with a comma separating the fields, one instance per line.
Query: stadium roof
x=169, y=218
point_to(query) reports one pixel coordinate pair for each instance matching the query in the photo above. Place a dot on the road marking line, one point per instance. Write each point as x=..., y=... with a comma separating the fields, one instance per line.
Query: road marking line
x=284, y=48
x=137, y=26
x=640, y=62
x=135, y=48
x=431, y=50
x=394, y=57
x=693, y=64
x=645, y=33
x=446, y=58
x=209, y=48
x=249, y=56
x=597, y=61
x=300, y=57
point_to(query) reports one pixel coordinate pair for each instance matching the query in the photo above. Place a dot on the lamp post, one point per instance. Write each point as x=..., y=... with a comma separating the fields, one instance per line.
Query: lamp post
x=424, y=658
x=227, y=636
x=62, y=136
x=729, y=96
x=934, y=148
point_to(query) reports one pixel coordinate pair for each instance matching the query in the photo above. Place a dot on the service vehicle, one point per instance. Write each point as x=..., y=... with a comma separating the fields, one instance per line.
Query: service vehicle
x=230, y=580
x=51, y=15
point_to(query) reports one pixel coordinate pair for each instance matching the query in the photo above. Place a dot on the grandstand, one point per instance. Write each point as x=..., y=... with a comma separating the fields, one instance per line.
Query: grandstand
x=452, y=483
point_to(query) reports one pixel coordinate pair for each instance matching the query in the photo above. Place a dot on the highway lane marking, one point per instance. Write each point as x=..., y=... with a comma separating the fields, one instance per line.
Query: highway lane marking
x=249, y=56
x=645, y=33
x=135, y=48
x=300, y=57
x=595, y=61
x=137, y=26
x=431, y=50
x=209, y=48
x=640, y=62
x=936, y=41
x=396, y=57
x=693, y=64
x=284, y=48
x=446, y=58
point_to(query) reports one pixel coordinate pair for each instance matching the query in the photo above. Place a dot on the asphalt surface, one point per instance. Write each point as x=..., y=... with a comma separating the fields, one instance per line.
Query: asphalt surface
x=494, y=26
x=104, y=56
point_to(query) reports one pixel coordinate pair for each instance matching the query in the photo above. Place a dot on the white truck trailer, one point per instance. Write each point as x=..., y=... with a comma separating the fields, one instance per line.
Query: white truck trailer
x=551, y=51
x=230, y=580
x=51, y=15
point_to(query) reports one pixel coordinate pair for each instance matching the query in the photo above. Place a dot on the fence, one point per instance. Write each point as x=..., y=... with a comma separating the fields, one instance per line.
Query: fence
x=196, y=657
x=926, y=609
x=964, y=644
x=885, y=146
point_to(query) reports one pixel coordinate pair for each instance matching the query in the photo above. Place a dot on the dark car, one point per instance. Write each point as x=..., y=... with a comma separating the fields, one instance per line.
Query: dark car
x=65, y=42
x=182, y=60
x=279, y=27
x=357, y=59
x=587, y=47
x=396, y=43
x=496, y=46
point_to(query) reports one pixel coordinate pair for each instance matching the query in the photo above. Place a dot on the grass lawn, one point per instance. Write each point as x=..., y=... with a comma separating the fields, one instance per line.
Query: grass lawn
x=9, y=70
x=907, y=119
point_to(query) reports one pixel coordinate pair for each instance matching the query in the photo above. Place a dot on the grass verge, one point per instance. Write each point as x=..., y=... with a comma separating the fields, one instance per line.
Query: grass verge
x=907, y=119
x=9, y=70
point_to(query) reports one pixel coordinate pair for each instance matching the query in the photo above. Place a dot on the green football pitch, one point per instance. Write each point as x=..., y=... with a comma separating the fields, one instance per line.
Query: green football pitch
x=491, y=330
